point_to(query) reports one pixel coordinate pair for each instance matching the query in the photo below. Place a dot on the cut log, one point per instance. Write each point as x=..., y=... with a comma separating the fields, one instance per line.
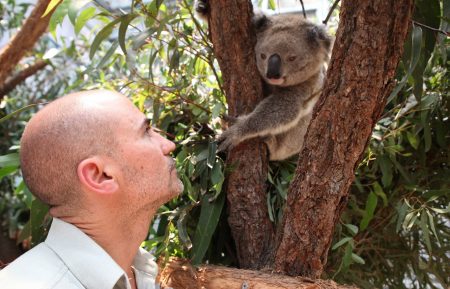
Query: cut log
x=179, y=274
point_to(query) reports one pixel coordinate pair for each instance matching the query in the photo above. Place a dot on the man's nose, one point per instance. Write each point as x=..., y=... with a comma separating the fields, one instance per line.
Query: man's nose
x=167, y=145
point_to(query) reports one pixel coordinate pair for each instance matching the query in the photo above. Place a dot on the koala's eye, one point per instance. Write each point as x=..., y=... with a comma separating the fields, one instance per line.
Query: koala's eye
x=292, y=58
x=263, y=56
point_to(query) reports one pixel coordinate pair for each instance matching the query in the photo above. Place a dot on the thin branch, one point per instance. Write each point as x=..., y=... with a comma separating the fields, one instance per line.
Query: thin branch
x=30, y=32
x=431, y=28
x=330, y=12
x=303, y=8
x=172, y=91
x=15, y=80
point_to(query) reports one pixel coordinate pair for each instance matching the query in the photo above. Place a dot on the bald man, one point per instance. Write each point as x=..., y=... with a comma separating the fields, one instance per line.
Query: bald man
x=94, y=159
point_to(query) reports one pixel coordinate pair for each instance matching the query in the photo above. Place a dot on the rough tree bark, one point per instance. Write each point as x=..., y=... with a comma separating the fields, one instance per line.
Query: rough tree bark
x=24, y=40
x=234, y=39
x=368, y=47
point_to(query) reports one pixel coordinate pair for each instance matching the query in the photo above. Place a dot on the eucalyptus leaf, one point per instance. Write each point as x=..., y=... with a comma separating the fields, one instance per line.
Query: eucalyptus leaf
x=209, y=217
x=104, y=33
x=371, y=204
x=10, y=160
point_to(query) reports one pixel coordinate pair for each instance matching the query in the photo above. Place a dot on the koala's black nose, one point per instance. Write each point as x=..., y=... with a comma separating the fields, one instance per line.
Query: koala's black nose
x=274, y=67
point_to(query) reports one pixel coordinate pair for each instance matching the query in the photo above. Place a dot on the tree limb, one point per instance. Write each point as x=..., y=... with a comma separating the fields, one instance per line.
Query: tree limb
x=24, y=40
x=15, y=80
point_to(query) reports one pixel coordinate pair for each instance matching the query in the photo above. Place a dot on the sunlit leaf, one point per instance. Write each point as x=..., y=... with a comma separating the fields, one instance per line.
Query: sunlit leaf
x=84, y=17
x=51, y=6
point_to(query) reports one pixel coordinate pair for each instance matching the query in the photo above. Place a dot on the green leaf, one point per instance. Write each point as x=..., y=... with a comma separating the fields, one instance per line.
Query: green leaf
x=428, y=13
x=427, y=135
x=58, y=17
x=426, y=234
x=10, y=160
x=108, y=55
x=8, y=116
x=347, y=259
x=212, y=149
x=386, y=170
x=272, y=5
x=412, y=139
x=84, y=17
x=209, y=218
x=401, y=216
x=442, y=211
x=5, y=171
x=74, y=8
x=352, y=228
x=371, y=204
x=410, y=219
x=412, y=47
x=123, y=30
x=380, y=193
x=38, y=212
x=433, y=229
x=153, y=8
x=102, y=35
x=341, y=242
x=51, y=5
x=358, y=259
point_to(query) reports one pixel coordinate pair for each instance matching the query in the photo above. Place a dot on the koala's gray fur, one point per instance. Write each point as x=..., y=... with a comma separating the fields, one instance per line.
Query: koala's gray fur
x=291, y=55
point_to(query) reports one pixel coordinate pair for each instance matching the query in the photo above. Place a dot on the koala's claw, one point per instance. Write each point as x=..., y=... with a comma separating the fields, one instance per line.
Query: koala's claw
x=226, y=141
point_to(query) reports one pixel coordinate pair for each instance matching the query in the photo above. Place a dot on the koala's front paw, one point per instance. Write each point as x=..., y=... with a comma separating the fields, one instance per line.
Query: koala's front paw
x=229, y=139
x=201, y=7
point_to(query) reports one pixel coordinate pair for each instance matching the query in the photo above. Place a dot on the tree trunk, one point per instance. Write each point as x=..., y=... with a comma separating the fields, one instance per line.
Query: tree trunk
x=234, y=40
x=180, y=274
x=24, y=40
x=368, y=47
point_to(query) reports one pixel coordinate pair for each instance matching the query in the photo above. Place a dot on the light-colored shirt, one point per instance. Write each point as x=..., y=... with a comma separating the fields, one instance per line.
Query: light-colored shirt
x=69, y=259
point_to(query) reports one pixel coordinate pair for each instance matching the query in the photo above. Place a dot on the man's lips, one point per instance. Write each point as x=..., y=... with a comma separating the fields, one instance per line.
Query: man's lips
x=172, y=165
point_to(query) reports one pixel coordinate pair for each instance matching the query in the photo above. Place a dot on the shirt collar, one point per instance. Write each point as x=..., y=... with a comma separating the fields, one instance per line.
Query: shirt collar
x=88, y=262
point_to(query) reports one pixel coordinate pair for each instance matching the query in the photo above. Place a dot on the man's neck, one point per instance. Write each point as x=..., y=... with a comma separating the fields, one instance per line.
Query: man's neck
x=121, y=239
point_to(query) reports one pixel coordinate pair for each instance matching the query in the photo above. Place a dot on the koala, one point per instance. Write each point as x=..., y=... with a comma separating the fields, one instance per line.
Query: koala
x=291, y=56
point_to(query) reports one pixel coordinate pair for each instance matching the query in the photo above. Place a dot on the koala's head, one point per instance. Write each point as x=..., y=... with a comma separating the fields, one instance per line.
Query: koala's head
x=289, y=49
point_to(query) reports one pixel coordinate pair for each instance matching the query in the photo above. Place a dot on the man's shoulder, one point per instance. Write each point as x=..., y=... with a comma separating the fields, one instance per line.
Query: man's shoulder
x=38, y=268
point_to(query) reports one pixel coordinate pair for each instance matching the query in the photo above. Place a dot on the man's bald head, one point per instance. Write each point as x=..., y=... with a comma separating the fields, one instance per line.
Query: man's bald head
x=60, y=136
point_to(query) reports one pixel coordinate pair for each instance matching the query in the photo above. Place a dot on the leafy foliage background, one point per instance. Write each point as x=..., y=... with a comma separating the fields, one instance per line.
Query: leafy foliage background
x=395, y=231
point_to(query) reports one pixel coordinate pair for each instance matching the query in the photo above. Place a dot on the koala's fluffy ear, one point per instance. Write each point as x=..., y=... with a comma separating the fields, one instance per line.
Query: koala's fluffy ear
x=260, y=21
x=318, y=35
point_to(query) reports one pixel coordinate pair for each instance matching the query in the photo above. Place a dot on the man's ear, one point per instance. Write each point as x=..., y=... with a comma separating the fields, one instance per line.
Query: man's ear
x=95, y=176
